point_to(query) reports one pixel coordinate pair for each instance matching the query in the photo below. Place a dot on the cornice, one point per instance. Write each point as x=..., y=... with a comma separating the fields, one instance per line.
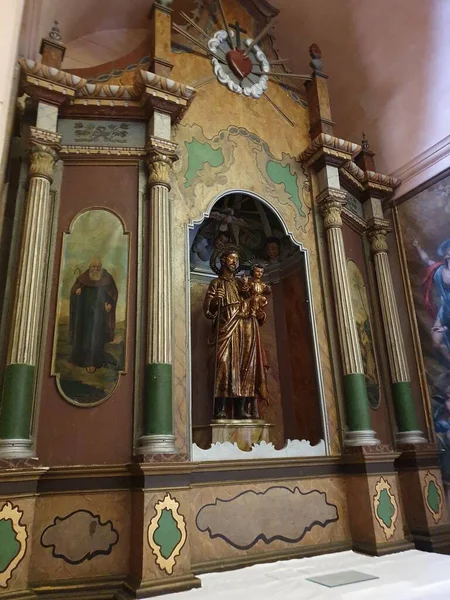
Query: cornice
x=353, y=221
x=74, y=151
x=371, y=182
x=330, y=149
x=149, y=92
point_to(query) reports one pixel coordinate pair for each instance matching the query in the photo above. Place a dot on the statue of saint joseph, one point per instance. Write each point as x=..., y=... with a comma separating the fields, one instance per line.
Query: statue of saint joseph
x=238, y=355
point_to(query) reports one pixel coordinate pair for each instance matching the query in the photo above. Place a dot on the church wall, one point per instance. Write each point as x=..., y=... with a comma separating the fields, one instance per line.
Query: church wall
x=67, y=433
x=373, y=344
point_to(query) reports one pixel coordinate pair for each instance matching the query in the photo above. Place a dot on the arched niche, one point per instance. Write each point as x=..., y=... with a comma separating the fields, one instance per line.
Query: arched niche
x=296, y=406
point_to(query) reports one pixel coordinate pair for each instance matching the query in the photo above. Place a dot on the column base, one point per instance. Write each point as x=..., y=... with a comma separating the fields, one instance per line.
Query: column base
x=158, y=586
x=157, y=444
x=436, y=539
x=410, y=437
x=383, y=548
x=16, y=449
x=365, y=437
x=19, y=595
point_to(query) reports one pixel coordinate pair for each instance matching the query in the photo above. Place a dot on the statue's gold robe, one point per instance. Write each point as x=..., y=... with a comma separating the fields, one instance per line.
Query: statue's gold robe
x=238, y=360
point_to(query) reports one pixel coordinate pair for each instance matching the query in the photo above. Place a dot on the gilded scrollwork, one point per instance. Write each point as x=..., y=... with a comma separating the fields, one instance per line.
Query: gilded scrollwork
x=331, y=202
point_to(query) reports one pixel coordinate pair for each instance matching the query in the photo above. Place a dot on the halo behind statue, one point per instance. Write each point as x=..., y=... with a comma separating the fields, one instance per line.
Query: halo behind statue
x=227, y=249
x=257, y=262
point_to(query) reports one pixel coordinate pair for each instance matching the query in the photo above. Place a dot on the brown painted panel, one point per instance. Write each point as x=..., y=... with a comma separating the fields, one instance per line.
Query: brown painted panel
x=68, y=434
x=305, y=394
x=380, y=417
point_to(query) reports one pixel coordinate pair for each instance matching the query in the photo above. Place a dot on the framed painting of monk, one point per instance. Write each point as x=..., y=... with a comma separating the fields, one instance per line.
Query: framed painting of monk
x=89, y=350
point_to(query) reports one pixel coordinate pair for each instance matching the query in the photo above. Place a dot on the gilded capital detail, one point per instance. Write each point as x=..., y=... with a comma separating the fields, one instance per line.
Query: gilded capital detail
x=331, y=202
x=160, y=157
x=43, y=152
x=377, y=232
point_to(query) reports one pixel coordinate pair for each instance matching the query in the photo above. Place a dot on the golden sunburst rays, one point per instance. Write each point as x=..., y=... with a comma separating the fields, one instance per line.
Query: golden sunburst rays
x=229, y=45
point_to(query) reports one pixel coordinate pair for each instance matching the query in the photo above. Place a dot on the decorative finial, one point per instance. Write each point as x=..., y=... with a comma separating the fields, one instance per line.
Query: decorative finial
x=55, y=33
x=365, y=143
x=316, y=58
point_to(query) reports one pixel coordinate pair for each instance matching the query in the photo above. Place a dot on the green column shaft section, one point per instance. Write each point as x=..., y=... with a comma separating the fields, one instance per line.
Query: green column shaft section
x=17, y=402
x=405, y=410
x=157, y=418
x=357, y=402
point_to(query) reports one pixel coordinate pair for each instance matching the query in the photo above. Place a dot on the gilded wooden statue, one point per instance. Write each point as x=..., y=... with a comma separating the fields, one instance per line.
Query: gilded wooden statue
x=235, y=305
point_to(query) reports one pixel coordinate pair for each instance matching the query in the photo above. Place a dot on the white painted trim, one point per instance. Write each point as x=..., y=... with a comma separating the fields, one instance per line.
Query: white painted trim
x=422, y=168
x=228, y=451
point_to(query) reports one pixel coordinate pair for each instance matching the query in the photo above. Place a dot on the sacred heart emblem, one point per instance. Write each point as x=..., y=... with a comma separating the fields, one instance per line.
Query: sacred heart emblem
x=240, y=64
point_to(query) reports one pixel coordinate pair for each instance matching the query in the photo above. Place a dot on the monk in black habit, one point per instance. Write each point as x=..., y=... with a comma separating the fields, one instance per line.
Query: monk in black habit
x=93, y=300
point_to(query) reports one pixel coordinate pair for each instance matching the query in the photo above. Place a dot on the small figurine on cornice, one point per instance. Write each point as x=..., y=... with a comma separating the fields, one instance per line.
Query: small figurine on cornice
x=55, y=33
x=316, y=58
x=365, y=142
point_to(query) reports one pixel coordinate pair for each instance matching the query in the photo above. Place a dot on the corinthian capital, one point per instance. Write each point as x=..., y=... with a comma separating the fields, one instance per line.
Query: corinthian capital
x=331, y=202
x=43, y=152
x=160, y=157
x=376, y=233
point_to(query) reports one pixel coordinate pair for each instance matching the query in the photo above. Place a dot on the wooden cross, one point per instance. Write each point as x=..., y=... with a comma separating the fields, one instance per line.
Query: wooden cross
x=238, y=31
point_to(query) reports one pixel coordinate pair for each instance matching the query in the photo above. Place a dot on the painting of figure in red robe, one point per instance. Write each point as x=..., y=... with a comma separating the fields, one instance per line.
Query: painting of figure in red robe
x=90, y=332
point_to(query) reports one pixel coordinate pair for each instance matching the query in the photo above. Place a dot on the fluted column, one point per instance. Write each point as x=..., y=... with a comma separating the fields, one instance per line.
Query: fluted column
x=331, y=201
x=405, y=412
x=26, y=323
x=157, y=431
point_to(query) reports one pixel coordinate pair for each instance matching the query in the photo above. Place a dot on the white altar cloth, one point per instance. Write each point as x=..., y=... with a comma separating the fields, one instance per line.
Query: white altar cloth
x=410, y=575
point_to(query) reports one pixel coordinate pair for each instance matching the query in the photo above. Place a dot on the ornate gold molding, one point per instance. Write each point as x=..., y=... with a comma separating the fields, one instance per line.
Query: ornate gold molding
x=331, y=202
x=102, y=151
x=165, y=549
x=376, y=232
x=12, y=516
x=385, y=507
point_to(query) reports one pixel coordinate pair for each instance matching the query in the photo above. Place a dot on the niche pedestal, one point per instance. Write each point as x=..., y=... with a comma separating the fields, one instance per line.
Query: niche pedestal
x=245, y=433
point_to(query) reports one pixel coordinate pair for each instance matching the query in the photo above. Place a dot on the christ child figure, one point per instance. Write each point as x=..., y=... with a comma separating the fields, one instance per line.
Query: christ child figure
x=257, y=290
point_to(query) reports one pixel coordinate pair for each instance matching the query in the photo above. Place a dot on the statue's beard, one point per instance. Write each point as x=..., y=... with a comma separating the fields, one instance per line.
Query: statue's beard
x=95, y=275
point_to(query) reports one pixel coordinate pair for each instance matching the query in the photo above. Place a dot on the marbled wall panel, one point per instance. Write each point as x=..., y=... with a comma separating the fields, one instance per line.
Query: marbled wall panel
x=84, y=535
x=270, y=517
